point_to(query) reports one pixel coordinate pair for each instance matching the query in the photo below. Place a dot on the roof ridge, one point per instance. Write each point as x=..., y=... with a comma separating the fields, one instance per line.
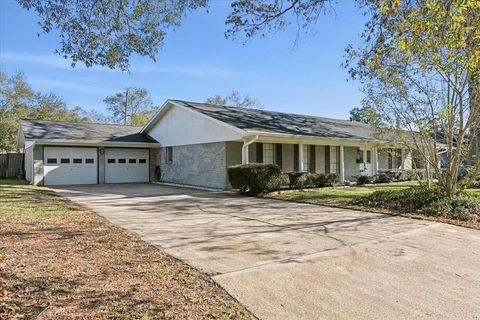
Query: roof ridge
x=271, y=111
x=83, y=122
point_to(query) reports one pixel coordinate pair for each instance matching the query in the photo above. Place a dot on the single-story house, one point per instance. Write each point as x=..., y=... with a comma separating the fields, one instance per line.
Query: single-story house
x=194, y=143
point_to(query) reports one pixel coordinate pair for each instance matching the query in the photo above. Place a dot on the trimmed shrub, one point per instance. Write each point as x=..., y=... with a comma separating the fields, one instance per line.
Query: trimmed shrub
x=385, y=177
x=302, y=180
x=463, y=208
x=255, y=178
x=399, y=175
x=361, y=180
x=330, y=179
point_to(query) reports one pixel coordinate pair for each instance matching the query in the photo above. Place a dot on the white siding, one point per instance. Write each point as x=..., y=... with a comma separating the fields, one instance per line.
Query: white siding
x=29, y=163
x=180, y=126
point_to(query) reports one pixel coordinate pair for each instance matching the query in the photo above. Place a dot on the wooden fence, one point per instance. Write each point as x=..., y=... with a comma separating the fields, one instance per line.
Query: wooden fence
x=11, y=165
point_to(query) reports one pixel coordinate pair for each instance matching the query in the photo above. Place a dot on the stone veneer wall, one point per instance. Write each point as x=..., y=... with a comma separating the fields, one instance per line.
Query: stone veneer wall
x=196, y=164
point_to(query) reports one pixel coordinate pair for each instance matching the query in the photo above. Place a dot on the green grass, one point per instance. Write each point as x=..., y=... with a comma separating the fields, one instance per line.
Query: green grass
x=17, y=197
x=341, y=196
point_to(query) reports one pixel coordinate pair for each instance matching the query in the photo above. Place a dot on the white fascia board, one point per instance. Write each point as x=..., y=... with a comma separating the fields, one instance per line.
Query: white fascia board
x=294, y=139
x=99, y=143
x=166, y=105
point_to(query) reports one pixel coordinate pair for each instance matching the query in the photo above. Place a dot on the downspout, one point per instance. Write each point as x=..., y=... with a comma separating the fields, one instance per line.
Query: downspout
x=245, y=149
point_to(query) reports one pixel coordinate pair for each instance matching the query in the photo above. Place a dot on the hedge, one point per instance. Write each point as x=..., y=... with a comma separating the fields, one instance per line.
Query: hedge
x=302, y=180
x=255, y=178
x=422, y=200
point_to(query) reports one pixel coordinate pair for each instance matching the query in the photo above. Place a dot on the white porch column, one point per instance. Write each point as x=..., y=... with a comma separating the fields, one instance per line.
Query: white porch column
x=375, y=160
x=342, y=165
x=300, y=157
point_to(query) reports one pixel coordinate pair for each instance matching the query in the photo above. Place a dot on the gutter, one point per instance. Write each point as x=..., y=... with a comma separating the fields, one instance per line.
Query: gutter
x=245, y=149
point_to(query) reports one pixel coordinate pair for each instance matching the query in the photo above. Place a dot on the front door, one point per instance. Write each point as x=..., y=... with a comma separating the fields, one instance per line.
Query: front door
x=364, y=160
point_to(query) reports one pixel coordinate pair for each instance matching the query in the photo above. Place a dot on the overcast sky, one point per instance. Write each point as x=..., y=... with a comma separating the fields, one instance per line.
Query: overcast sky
x=197, y=62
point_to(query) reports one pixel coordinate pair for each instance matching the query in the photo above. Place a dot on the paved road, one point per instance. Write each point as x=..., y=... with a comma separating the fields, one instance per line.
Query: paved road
x=292, y=261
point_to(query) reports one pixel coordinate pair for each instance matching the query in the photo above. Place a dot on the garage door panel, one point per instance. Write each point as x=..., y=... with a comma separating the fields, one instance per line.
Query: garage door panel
x=126, y=165
x=68, y=165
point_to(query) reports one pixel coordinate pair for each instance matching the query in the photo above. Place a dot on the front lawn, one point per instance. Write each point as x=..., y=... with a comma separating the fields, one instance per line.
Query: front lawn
x=59, y=261
x=387, y=198
x=336, y=196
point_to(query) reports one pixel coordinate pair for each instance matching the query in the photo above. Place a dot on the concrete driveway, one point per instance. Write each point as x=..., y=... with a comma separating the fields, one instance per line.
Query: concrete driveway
x=291, y=261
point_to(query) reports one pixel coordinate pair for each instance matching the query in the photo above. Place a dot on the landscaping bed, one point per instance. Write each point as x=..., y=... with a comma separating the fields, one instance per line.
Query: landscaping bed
x=59, y=261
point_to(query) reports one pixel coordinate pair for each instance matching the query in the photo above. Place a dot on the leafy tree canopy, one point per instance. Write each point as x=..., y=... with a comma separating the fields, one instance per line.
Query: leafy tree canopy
x=130, y=107
x=108, y=32
x=366, y=114
x=18, y=100
x=235, y=99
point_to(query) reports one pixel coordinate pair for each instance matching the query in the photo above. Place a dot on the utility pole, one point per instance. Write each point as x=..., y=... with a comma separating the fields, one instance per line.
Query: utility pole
x=126, y=108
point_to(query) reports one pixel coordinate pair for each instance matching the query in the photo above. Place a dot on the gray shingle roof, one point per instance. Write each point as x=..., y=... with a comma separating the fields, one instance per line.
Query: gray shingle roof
x=58, y=130
x=286, y=123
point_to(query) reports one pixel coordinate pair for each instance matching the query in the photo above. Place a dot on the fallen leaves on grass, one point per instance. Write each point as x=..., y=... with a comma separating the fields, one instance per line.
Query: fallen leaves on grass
x=67, y=262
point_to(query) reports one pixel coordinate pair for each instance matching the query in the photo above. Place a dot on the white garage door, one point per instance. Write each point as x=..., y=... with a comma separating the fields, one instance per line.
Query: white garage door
x=67, y=165
x=126, y=165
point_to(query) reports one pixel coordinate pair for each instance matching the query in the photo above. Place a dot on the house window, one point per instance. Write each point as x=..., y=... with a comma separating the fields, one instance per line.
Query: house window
x=333, y=159
x=77, y=160
x=398, y=157
x=64, y=160
x=394, y=158
x=111, y=161
x=89, y=160
x=132, y=160
x=369, y=156
x=142, y=160
x=52, y=160
x=306, y=157
x=359, y=156
x=122, y=160
x=268, y=153
x=169, y=156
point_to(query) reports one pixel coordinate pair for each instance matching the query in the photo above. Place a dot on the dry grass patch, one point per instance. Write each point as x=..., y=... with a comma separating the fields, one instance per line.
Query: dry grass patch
x=59, y=261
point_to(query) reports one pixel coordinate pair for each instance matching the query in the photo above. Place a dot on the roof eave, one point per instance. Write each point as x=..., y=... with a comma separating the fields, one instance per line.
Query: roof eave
x=95, y=143
x=308, y=137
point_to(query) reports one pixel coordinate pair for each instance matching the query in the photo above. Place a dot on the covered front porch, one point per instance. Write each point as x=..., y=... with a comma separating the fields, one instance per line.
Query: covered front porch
x=346, y=159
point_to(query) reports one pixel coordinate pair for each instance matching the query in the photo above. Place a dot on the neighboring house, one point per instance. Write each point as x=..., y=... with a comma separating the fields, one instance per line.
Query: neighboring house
x=194, y=143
